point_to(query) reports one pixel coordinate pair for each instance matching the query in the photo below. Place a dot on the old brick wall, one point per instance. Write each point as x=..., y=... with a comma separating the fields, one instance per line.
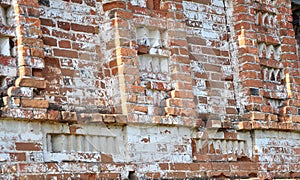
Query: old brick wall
x=208, y=36
x=77, y=80
x=102, y=89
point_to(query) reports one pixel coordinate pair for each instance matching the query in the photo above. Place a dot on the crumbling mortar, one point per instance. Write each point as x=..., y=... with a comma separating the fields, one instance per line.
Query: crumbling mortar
x=233, y=49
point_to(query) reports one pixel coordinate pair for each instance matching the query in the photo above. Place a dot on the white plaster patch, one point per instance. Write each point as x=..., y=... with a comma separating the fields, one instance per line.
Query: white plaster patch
x=209, y=34
x=141, y=3
x=4, y=46
x=219, y=3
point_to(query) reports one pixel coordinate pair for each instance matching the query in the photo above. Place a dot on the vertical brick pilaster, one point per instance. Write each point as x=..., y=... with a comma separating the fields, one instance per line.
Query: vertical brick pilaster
x=123, y=61
x=267, y=62
x=154, y=76
x=181, y=101
x=249, y=67
x=30, y=62
x=290, y=60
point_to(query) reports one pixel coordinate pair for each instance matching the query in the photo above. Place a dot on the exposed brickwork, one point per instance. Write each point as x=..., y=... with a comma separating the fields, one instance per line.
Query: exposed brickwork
x=149, y=89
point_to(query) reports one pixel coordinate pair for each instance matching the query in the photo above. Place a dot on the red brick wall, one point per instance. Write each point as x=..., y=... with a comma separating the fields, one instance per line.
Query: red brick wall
x=269, y=80
x=76, y=71
x=213, y=68
x=149, y=89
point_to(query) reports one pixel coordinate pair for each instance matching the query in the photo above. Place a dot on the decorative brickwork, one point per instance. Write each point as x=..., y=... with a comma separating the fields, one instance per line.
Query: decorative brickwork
x=149, y=89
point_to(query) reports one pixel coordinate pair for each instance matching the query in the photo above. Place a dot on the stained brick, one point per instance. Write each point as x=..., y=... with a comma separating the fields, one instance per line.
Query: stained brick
x=83, y=28
x=65, y=53
x=64, y=44
x=113, y=5
x=17, y=156
x=34, y=103
x=30, y=82
x=25, y=177
x=106, y=158
x=50, y=41
x=22, y=146
x=109, y=175
x=64, y=25
x=47, y=22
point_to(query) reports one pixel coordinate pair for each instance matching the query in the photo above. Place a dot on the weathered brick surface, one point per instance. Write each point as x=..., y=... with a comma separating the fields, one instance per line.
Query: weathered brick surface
x=149, y=89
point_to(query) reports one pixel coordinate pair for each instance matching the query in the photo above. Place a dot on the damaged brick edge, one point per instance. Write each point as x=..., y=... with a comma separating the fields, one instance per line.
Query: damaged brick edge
x=265, y=125
x=122, y=119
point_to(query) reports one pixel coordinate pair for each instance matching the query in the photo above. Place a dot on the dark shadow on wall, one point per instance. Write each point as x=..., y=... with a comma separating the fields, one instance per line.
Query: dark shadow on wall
x=296, y=18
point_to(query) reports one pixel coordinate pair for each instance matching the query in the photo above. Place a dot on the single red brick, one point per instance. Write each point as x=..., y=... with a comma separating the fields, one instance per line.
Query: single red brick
x=29, y=3
x=126, y=52
x=180, y=166
x=49, y=41
x=65, y=53
x=176, y=175
x=34, y=103
x=64, y=44
x=137, y=89
x=31, y=41
x=77, y=1
x=51, y=61
x=231, y=110
x=90, y=3
x=174, y=102
x=230, y=135
x=220, y=166
x=153, y=175
x=109, y=176
x=68, y=72
x=143, y=49
x=31, y=82
x=24, y=71
x=61, y=34
x=37, y=52
x=64, y=25
x=106, y=158
x=27, y=146
x=83, y=28
x=182, y=94
x=178, y=42
x=25, y=177
x=143, y=109
x=87, y=176
x=37, y=73
x=53, y=166
x=113, y=5
x=47, y=22
x=120, y=14
x=17, y=156
x=164, y=166
x=297, y=150
x=171, y=110
x=33, y=21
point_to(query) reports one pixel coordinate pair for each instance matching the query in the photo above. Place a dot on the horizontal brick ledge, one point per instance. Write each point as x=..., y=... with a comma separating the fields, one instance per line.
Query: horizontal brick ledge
x=31, y=82
x=258, y=125
x=102, y=118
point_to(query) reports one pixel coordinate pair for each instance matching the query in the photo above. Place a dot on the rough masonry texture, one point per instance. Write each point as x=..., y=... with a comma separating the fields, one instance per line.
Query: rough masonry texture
x=149, y=89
